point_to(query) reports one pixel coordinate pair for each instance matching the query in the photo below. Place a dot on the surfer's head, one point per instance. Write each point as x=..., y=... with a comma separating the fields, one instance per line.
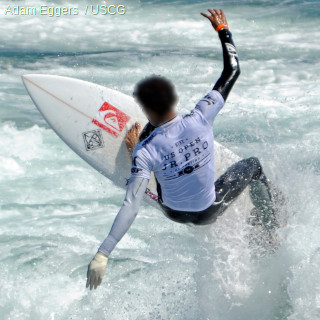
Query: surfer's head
x=156, y=95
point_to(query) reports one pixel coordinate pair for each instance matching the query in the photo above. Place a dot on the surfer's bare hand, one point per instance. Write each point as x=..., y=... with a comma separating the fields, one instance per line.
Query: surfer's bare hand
x=132, y=137
x=216, y=18
x=96, y=270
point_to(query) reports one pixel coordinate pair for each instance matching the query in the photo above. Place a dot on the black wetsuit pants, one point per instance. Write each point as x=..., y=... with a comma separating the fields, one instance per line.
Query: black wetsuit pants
x=228, y=187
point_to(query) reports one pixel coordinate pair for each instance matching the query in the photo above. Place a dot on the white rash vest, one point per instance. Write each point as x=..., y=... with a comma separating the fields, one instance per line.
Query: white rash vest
x=181, y=155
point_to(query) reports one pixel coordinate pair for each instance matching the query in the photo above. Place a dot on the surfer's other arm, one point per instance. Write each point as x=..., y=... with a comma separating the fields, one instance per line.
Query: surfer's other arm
x=231, y=67
x=129, y=210
x=125, y=217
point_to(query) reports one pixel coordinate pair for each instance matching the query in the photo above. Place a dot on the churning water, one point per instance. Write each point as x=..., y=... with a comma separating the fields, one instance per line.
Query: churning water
x=55, y=210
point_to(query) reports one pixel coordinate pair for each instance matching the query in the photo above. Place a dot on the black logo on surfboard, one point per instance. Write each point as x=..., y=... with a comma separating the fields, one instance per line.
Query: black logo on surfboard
x=93, y=140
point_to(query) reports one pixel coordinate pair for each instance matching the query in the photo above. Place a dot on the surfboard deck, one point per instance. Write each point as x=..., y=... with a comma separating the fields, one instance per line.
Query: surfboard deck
x=93, y=121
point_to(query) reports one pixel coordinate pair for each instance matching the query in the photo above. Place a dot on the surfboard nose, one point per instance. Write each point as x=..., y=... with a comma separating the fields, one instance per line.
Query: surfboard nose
x=33, y=77
x=25, y=77
x=28, y=76
x=36, y=83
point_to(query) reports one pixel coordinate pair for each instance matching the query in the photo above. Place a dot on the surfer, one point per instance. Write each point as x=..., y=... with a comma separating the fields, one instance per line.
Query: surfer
x=180, y=152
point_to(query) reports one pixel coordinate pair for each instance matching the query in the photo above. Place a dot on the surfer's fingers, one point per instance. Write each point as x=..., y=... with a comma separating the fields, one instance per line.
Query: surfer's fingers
x=92, y=281
x=214, y=12
x=89, y=282
x=96, y=280
x=138, y=125
x=223, y=16
x=88, y=277
x=205, y=15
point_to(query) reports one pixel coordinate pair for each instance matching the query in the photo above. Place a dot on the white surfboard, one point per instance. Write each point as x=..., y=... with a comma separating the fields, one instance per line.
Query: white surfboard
x=93, y=121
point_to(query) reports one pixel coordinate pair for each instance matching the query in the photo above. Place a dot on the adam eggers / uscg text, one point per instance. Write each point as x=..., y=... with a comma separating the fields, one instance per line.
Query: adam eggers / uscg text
x=56, y=11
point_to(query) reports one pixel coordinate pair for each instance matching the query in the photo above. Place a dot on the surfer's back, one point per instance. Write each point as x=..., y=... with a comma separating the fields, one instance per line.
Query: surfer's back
x=181, y=154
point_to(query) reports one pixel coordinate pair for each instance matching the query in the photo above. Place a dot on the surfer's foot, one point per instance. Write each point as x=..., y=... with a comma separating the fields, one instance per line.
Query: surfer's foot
x=271, y=205
x=263, y=195
x=132, y=137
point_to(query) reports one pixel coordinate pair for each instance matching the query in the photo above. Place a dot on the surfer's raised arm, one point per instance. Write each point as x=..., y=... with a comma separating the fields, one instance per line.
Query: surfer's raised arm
x=231, y=68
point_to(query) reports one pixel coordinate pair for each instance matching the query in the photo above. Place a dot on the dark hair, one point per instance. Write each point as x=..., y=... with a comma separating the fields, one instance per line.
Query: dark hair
x=156, y=93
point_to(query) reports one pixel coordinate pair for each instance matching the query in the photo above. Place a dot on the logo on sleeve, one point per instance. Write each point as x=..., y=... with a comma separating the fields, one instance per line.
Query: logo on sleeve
x=135, y=170
x=111, y=119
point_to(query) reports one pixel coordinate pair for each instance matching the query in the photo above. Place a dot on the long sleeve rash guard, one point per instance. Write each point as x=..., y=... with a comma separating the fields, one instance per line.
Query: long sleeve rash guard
x=137, y=185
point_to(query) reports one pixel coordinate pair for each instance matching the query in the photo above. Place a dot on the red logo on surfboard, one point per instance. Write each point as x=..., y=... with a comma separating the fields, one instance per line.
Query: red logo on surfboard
x=111, y=119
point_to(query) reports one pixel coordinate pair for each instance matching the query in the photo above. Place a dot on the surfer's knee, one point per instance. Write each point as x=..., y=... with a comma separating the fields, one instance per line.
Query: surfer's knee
x=254, y=160
x=257, y=167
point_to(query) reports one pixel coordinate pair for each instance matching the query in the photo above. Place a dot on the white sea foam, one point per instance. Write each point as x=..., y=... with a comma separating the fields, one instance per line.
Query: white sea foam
x=55, y=210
